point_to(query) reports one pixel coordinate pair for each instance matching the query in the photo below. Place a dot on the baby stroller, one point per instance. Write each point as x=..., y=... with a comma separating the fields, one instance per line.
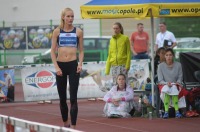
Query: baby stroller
x=191, y=75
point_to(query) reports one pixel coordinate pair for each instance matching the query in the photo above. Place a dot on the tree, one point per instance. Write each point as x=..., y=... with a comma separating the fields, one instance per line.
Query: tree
x=183, y=26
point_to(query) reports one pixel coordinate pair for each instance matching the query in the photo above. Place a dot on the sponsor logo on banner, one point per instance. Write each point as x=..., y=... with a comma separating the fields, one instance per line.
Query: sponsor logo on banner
x=19, y=66
x=41, y=79
x=164, y=12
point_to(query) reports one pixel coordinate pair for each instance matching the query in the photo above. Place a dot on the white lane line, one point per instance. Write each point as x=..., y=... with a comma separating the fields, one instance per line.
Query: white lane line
x=37, y=111
x=114, y=125
x=85, y=120
x=182, y=122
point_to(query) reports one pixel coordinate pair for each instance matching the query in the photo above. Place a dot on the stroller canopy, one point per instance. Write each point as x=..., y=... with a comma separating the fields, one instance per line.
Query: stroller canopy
x=190, y=63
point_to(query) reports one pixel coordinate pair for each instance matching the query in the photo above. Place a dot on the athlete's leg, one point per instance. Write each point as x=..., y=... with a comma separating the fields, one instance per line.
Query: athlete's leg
x=62, y=87
x=74, y=83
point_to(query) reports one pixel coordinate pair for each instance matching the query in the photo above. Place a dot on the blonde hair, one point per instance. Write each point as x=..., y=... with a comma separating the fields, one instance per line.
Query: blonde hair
x=61, y=26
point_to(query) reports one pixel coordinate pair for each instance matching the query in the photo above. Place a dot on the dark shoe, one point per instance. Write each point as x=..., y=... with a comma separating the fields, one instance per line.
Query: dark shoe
x=67, y=126
x=115, y=116
x=132, y=112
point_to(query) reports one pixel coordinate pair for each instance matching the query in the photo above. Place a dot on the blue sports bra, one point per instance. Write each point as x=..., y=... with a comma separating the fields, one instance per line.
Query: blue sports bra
x=67, y=39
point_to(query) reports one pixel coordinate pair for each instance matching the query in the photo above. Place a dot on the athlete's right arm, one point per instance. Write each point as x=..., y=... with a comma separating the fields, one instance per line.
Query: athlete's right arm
x=56, y=32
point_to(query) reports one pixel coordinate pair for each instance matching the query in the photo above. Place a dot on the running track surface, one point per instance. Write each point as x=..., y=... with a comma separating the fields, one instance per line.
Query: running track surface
x=91, y=119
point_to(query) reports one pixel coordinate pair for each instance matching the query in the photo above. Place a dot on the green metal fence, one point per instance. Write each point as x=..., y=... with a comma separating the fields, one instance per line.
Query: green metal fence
x=12, y=57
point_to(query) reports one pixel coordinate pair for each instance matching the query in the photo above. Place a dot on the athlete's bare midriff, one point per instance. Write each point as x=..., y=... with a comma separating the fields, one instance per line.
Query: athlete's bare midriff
x=66, y=54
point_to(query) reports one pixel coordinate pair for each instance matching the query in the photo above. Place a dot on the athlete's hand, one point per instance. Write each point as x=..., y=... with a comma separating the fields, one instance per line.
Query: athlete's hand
x=58, y=71
x=79, y=69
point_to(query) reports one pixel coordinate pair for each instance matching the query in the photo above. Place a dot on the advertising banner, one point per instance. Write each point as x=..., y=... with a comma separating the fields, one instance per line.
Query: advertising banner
x=13, y=38
x=7, y=83
x=39, y=37
x=114, y=11
x=138, y=74
x=39, y=83
x=176, y=9
x=93, y=81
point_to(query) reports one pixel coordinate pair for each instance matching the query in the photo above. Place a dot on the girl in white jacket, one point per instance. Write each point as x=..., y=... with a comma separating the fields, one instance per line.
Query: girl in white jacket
x=119, y=100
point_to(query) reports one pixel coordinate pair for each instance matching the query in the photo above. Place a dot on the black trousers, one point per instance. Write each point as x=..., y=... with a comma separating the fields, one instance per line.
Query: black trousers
x=11, y=94
x=68, y=69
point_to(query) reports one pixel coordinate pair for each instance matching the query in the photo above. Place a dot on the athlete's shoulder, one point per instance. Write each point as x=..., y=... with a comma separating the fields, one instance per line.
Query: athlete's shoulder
x=78, y=29
x=56, y=30
x=79, y=32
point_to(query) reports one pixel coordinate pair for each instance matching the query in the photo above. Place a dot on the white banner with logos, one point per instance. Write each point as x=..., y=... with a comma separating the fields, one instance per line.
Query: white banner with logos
x=39, y=83
x=138, y=74
x=7, y=85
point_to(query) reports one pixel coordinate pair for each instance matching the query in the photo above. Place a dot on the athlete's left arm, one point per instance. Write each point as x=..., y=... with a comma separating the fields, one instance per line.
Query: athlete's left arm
x=81, y=50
